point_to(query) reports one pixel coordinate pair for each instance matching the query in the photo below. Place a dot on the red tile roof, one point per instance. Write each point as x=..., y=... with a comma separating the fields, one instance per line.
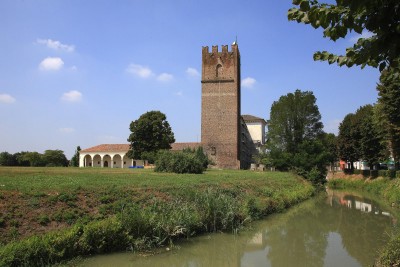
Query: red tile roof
x=108, y=148
x=125, y=147
x=251, y=118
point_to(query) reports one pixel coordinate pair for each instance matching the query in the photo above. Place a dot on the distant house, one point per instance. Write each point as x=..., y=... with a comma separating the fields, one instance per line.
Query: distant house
x=256, y=127
x=115, y=155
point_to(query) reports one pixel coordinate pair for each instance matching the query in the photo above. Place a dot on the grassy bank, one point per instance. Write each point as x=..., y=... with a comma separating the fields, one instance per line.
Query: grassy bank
x=54, y=214
x=387, y=188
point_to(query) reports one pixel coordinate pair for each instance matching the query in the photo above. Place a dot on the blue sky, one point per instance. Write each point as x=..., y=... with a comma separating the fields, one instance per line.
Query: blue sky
x=78, y=72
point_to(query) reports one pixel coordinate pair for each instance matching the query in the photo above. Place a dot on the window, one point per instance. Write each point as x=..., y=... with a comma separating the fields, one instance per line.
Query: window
x=218, y=72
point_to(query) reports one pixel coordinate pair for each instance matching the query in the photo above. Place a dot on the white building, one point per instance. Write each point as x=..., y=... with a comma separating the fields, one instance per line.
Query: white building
x=108, y=156
x=256, y=127
x=115, y=155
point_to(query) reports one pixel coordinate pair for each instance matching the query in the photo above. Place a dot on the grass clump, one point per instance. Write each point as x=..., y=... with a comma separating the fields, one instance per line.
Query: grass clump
x=390, y=255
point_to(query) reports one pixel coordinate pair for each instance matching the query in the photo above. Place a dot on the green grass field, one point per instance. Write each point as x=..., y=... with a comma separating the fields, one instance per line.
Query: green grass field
x=58, y=179
x=105, y=210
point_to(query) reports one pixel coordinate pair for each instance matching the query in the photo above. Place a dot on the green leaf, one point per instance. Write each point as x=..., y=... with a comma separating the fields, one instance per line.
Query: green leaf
x=304, y=6
x=382, y=66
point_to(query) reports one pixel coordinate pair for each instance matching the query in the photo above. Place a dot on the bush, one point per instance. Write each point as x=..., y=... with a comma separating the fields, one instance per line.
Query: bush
x=103, y=236
x=178, y=162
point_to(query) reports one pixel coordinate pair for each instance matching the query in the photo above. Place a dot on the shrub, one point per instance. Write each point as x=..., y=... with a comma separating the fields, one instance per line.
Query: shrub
x=178, y=162
x=103, y=236
x=315, y=176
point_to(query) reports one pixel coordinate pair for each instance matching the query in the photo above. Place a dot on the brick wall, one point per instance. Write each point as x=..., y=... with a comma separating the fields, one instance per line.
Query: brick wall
x=220, y=116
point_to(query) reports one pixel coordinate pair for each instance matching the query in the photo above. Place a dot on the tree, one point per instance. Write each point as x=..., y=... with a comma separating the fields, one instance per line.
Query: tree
x=150, y=133
x=75, y=158
x=348, y=140
x=371, y=149
x=294, y=135
x=20, y=157
x=388, y=111
x=294, y=118
x=55, y=158
x=35, y=159
x=359, y=137
x=7, y=159
x=379, y=17
x=329, y=141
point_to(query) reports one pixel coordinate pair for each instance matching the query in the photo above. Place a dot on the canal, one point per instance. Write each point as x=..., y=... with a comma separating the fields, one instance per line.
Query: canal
x=333, y=229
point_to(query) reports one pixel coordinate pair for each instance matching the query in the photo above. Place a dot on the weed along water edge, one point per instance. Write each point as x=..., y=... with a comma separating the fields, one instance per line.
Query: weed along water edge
x=49, y=215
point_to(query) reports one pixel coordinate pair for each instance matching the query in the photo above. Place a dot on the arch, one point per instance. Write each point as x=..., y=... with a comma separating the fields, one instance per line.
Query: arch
x=218, y=70
x=96, y=161
x=87, y=161
x=117, y=161
x=126, y=161
x=107, y=161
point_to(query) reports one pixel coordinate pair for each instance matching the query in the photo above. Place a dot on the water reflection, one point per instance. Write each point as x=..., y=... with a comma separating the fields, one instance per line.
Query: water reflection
x=337, y=229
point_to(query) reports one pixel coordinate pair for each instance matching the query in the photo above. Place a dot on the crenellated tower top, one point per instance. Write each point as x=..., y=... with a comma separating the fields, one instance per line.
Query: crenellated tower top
x=214, y=50
x=220, y=65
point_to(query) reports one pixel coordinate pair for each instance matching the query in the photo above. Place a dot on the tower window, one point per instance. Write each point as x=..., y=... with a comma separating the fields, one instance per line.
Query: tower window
x=218, y=72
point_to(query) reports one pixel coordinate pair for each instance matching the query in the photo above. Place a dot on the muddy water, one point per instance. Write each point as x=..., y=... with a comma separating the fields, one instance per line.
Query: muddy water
x=337, y=229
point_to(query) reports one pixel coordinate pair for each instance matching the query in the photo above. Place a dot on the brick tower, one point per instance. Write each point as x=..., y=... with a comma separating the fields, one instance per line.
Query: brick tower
x=220, y=105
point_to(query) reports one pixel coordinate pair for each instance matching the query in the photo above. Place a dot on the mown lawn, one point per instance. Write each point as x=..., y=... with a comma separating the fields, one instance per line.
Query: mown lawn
x=57, y=179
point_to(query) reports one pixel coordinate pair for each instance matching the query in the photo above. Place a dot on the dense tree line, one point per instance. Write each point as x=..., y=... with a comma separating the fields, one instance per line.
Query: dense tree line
x=50, y=158
x=360, y=138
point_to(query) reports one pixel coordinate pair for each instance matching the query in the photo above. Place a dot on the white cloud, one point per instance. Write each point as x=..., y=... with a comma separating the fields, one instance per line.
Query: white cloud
x=364, y=34
x=192, y=72
x=248, y=82
x=139, y=70
x=7, y=99
x=56, y=45
x=51, y=63
x=66, y=130
x=165, y=77
x=72, y=96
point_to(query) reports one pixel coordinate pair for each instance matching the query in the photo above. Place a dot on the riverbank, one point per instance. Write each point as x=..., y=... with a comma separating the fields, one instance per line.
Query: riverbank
x=389, y=190
x=55, y=214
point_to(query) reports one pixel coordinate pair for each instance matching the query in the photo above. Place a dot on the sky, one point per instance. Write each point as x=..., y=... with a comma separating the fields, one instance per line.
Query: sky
x=76, y=73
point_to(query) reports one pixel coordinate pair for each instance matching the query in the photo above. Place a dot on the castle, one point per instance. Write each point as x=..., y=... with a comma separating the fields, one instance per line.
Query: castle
x=225, y=134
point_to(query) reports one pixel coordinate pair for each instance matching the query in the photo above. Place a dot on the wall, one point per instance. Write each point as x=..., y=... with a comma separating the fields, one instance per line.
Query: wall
x=220, y=125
